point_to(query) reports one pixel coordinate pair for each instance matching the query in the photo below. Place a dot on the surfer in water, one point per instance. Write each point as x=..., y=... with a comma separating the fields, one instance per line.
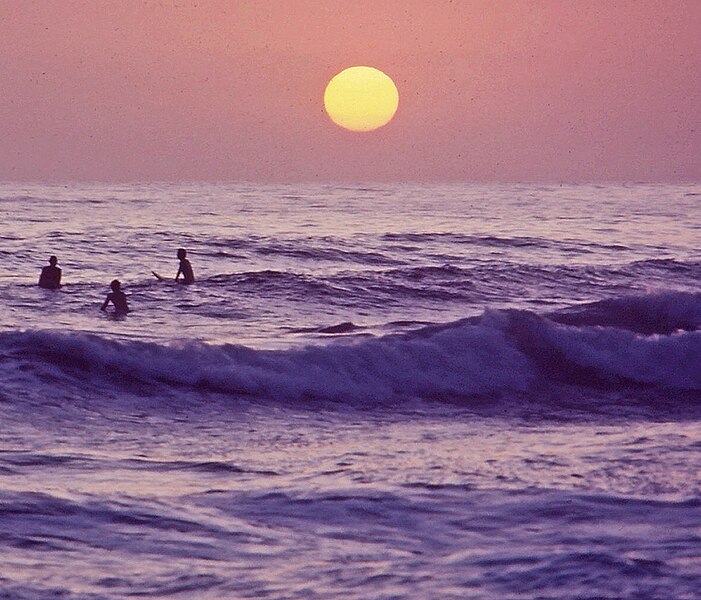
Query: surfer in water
x=118, y=298
x=185, y=268
x=50, y=277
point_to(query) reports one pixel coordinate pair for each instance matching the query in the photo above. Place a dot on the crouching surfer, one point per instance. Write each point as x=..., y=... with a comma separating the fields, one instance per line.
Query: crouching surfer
x=118, y=298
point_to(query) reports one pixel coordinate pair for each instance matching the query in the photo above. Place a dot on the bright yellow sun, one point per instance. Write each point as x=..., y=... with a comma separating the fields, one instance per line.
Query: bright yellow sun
x=361, y=99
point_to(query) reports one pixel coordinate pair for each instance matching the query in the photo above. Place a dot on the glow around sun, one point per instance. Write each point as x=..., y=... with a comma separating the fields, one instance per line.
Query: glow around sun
x=361, y=99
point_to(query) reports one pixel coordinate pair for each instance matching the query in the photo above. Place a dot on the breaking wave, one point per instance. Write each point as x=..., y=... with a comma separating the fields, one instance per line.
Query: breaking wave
x=651, y=340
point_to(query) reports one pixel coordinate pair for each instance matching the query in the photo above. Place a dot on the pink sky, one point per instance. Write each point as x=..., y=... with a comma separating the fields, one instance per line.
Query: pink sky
x=491, y=90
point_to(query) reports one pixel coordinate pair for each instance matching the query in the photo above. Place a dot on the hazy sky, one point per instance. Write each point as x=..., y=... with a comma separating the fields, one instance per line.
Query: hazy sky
x=493, y=90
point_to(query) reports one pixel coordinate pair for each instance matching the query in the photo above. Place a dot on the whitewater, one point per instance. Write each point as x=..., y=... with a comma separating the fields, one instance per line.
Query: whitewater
x=377, y=391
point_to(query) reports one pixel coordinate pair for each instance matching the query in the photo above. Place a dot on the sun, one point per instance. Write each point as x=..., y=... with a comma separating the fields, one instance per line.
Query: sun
x=361, y=99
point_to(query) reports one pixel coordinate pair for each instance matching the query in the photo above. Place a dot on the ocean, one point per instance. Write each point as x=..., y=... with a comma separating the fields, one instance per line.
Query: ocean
x=382, y=391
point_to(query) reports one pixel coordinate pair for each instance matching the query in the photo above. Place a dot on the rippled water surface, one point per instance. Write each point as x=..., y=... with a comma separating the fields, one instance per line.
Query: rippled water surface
x=396, y=391
x=271, y=260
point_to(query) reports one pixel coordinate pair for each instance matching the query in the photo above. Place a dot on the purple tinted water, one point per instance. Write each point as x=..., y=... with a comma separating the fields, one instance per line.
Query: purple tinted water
x=388, y=391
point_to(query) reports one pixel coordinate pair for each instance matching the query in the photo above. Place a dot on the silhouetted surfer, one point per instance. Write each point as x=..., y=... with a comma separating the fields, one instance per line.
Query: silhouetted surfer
x=118, y=298
x=50, y=277
x=185, y=268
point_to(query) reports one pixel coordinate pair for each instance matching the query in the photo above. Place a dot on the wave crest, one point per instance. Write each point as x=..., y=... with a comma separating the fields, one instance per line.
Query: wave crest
x=499, y=353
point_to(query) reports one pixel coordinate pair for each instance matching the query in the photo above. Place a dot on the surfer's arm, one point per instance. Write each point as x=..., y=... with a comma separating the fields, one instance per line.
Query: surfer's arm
x=105, y=303
x=180, y=270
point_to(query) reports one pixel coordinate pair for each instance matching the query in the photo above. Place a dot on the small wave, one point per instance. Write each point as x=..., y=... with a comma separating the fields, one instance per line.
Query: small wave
x=476, y=283
x=312, y=249
x=477, y=240
x=290, y=285
x=208, y=467
x=568, y=246
x=665, y=265
x=662, y=313
x=345, y=327
x=317, y=253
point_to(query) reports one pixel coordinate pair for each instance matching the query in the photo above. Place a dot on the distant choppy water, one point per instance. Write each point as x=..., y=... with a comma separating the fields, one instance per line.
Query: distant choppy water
x=397, y=391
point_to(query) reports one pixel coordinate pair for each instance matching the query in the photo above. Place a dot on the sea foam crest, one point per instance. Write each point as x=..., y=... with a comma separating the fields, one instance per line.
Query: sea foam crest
x=468, y=360
x=499, y=352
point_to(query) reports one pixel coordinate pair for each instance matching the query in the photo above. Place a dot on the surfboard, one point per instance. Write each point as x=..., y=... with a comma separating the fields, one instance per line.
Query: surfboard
x=159, y=277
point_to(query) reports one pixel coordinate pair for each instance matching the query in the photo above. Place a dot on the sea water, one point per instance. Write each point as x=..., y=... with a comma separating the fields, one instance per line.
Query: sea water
x=380, y=391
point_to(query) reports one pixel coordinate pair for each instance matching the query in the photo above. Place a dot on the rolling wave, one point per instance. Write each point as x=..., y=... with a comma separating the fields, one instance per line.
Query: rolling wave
x=652, y=341
x=482, y=281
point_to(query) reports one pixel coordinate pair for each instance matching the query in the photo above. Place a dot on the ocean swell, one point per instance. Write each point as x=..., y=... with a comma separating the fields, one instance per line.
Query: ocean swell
x=611, y=343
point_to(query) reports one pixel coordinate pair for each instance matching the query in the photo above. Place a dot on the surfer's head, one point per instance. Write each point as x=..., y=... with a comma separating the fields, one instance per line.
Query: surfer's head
x=181, y=253
x=53, y=260
x=115, y=285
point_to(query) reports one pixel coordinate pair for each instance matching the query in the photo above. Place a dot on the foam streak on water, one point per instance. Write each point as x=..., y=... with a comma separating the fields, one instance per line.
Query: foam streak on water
x=397, y=391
